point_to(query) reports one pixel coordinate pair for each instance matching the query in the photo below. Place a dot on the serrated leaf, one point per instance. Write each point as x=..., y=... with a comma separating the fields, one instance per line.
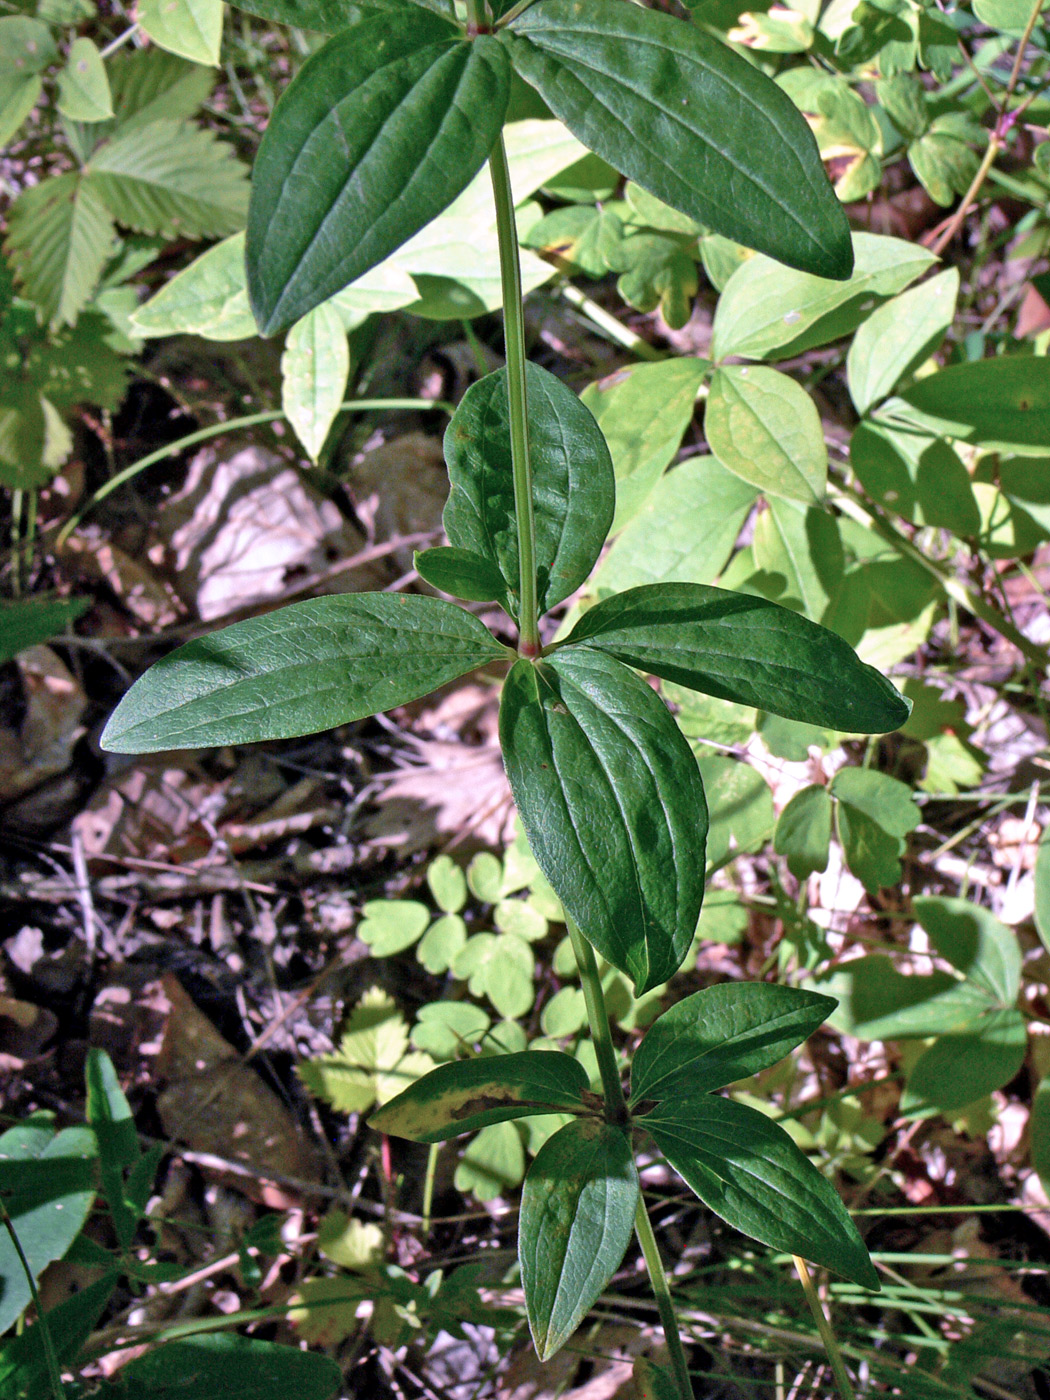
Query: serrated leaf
x=898, y=337
x=59, y=237
x=190, y=28
x=572, y=477
x=975, y=942
x=577, y=1216
x=468, y=1094
x=299, y=670
x=371, y=1064
x=765, y=428
x=803, y=831
x=611, y=800
x=18, y=96
x=83, y=87
x=748, y=1171
x=227, y=1367
x=1001, y=403
x=643, y=412
x=378, y=133
x=315, y=367
x=722, y=1034
x=209, y=298
x=965, y=1064
x=48, y=1182
x=767, y=310
x=149, y=85
x=745, y=649
x=493, y=1163
x=684, y=532
x=173, y=179
x=693, y=123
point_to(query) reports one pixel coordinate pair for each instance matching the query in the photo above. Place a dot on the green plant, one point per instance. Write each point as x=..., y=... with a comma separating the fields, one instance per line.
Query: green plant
x=385, y=124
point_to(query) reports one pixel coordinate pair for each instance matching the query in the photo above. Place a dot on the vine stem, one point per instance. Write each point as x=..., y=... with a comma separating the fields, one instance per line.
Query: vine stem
x=517, y=399
x=616, y=1112
x=827, y=1335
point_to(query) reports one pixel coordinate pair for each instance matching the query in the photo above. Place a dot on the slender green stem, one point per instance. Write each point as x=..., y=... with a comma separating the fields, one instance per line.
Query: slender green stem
x=643, y=1228
x=428, y=1187
x=232, y=425
x=827, y=1336
x=517, y=398
x=598, y=1019
x=58, y=1390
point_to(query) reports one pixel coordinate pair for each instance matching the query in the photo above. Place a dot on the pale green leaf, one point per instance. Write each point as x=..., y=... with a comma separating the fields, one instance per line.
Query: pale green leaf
x=190, y=28
x=768, y=310
x=683, y=533
x=876, y=1002
x=975, y=942
x=447, y=884
x=449, y=1029
x=644, y=410
x=83, y=87
x=803, y=832
x=315, y=366
x=965, y=1064
x=898, y=337
x=209, y=298
x=391, y=925
x=493, y=1163
x=765, y=428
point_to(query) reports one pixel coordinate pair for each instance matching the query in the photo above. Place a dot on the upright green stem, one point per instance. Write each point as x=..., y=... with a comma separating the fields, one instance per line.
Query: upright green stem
x=514, y=338
x=644, y=1230
x=616, y=1111
x=54, y=1374
x=827, y=1336
x=598, y=1020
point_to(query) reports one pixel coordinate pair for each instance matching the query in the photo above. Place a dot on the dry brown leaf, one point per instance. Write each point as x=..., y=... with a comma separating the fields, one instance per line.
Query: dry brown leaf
x=400, y=488
x=243, y=530
x=88, y=555
x=152, y=811
x=216, y=1104
x=43, y=744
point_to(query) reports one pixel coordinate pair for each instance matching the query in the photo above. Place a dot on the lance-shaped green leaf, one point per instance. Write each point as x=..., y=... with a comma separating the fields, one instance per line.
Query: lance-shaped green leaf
x=573, y=487
x=469, y=1094
x=380, y=130
x=299, y=670
x=690, y=121
x=747, y=1170
x=1003, y=402
x=462, y=573
x=612, y=803
x=722, y=1034
x=577, y=1215
x=743, y=648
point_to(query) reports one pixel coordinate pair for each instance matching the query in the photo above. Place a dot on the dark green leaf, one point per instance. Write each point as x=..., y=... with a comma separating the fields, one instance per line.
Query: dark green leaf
x=572, y=480
x=743, y=648
x=747, y=1170
x=1039, y=1131
x=109, y=1114
x=1001, y=403
x=876, y=813
x=966, y=1064
x=723, y=1034
x=467, y=1095
x=612, y=803
x=577, y=1216
x=48, y=1186
x=30, y=621
x=690, y=121
x=462, y=573
x=299, y=670
x=379, y=131
x=973, y=940
x=803, y=831
x=917, y=476
x=1042, y=890
x=221, y=1366
x=322, y=16
x=653, y=1382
